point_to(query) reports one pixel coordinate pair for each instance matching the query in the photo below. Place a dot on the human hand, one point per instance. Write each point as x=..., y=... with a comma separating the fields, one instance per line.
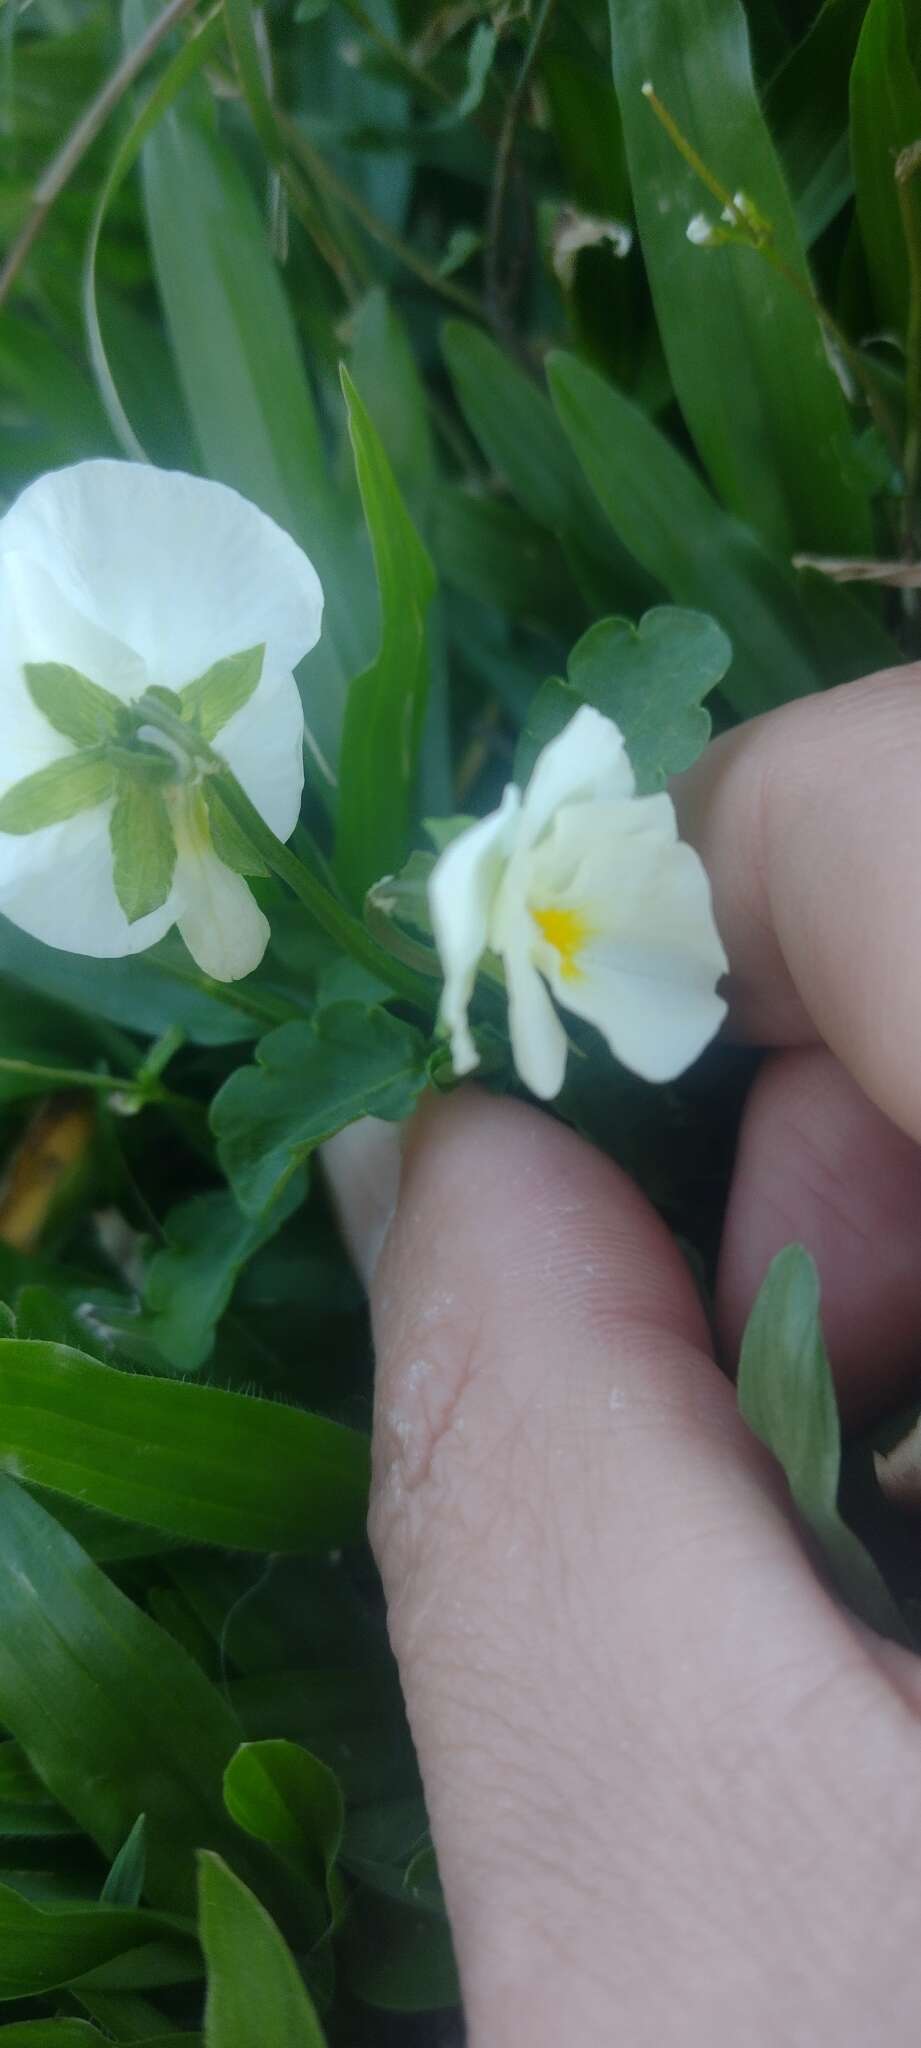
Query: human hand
x=675, y=1789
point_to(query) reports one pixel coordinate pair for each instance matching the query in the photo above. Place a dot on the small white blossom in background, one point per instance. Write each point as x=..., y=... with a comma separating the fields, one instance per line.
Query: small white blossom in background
x=574, y=231
x=586, y=893
x=115, y=578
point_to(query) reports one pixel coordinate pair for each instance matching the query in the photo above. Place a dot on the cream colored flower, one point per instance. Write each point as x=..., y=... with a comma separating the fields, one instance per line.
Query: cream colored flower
x=588, y=896
x=116, y=578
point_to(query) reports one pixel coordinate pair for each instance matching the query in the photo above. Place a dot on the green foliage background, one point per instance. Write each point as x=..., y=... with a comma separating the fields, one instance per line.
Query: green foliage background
x=211, y=1823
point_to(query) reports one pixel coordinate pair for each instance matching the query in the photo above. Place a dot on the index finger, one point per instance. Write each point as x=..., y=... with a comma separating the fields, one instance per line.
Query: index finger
x=809, y=823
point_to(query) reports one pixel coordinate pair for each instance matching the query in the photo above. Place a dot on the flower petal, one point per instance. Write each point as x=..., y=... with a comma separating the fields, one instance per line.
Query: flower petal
x=57, y=885
x=647, y=972
x=264, y=745
x=39, y=623
x=218, y=917
x=588, y=759
x=539, y=1044
x=462, y=890
x=181, y=569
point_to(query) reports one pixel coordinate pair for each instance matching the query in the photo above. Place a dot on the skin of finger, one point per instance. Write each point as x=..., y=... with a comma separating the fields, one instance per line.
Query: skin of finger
x=654, y=1751
x=818, y=1164
x=809, y=823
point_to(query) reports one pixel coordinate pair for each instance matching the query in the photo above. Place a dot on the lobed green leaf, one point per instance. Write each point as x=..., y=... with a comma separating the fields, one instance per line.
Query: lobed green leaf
x=309, y=1081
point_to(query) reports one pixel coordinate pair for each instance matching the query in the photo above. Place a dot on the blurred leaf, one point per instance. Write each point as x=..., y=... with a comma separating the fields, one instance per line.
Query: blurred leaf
x=53, y=2034
x=241, y=370
x=651, y=679
x=807, y=106
x=45, y=1947
x=518, y=432
x=309, y=1081
x=125, y=1882
x=26, y=1806
x=495, y=553
x=256, y=1995
x=787, y=1397
x=114, y=1717
x=885, y=118
x=189, y=1285
x=664, y=513
x=284, y=1796
x=146, y=994
x=385, y=371
x=169, y=1454
x=398, y=1956
x=749, y=369
x=386, y=704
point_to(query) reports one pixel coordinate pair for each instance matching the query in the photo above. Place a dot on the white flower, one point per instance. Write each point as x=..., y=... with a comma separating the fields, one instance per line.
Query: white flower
x=700, y=230
x=583, y=889
x=135, y=577
x=574, y=231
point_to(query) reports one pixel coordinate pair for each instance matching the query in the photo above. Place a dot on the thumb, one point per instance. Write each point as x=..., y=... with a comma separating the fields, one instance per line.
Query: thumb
x=575, y=1532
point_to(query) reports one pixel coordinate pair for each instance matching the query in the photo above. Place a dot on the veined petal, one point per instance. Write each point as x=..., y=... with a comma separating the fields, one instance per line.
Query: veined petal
x=538, y=1037
x=462, y=891
x=39, y=623
x=264, y=745
x=587, y=760
x=219, y=918
x=57, y=885
x=182, y=570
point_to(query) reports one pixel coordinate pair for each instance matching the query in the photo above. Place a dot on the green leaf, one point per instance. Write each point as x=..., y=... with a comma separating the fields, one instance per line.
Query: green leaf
x=43, y=1948
x=212, y=699
x=149, y=993
x=189, y=1285
x=113, y=1715
x=384, y=715
x=228, y=838
x=143, y=847
x=76, y=782
x=309, y=1081
x=75, y=706
x=287, y=1798
x=241, y=369
x=885, y=118
x=53, y=2034
x=517, y=430
x=386, y=373
x=171, y=1455
x=398, y=1956
x=806, y=108
x=125, y=1882
x=650, y=679
x=256, y=1995
x=787, y=1396
x=26, y=1805
x=749, y=367
x=666, y=516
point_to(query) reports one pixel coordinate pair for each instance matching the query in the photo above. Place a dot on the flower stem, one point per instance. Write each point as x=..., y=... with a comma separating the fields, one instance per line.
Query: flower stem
x=332, y=916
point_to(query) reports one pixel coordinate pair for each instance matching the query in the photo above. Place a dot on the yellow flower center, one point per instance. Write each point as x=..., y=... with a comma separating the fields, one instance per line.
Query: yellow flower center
x=566, y=931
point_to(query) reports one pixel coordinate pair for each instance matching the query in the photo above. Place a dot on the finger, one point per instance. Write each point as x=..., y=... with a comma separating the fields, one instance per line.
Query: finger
x=809, y=823
x=819, y=1164
x=603, y=1617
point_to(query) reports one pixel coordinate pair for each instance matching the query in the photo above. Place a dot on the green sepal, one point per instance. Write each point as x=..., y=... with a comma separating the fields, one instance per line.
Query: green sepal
x=143, y=847
x=211, y=700
x=227, y=837
x=80, y=709
x=77, y=782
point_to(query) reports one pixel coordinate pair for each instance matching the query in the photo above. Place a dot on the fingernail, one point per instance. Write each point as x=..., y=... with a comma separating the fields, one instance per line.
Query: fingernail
x=363, y=1165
